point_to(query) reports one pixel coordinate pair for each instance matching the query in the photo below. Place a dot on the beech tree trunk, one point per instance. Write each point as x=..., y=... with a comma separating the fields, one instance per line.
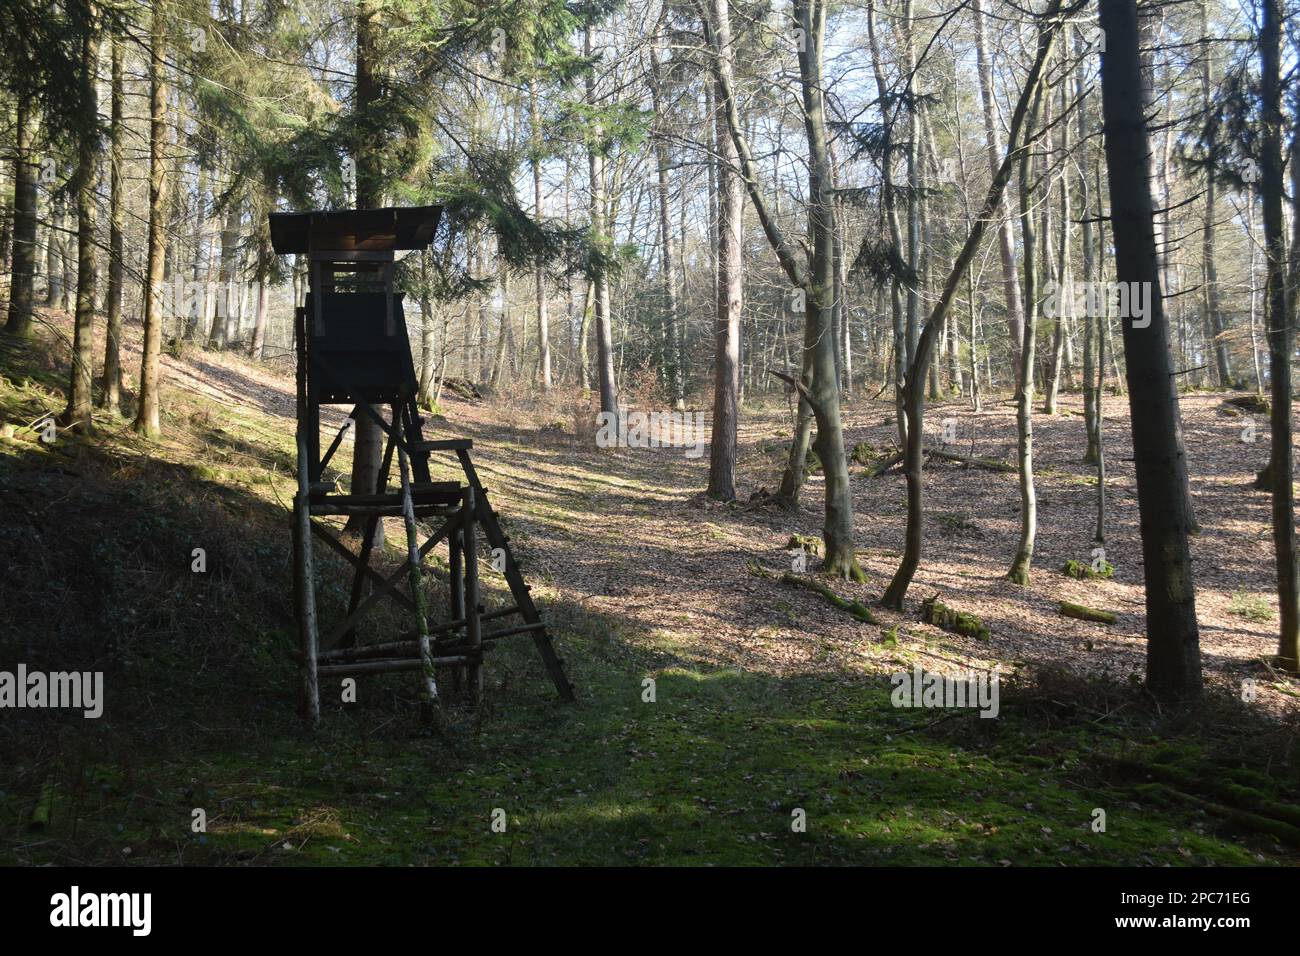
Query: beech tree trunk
x=813, y=273
x=1173, y=642
x=667, y=248
x=888, y=200
x=1023, y=117
x=726, y=349
x=1091, y=324
x=1277, y=322
x=1021, y=563
x=1006, y=243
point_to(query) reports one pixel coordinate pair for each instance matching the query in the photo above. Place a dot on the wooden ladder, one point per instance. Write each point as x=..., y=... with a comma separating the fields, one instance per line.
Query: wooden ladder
x=499, y=541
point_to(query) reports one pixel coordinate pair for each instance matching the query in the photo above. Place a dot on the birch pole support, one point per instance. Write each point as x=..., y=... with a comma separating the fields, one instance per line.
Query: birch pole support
x=470, y=599
x=429, y=687
x=303, y=585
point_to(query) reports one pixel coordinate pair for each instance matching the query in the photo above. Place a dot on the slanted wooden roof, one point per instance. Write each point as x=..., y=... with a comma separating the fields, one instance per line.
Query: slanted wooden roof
x=345, y=230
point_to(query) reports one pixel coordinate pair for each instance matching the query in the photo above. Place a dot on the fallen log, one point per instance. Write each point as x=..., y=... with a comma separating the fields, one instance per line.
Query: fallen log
x=857, y=609
x=1082, y=613
x=989, y=464
x=885, y=465
x=950, y=619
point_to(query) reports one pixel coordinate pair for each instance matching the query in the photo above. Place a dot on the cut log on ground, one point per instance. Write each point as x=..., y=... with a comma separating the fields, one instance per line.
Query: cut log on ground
x=857, y=609
x=989, y=464
x=1082, y=613
x=951, y=619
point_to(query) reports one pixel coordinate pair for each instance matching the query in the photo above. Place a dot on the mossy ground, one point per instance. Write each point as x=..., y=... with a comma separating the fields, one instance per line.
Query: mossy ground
x=96, y=535
x=710, y=773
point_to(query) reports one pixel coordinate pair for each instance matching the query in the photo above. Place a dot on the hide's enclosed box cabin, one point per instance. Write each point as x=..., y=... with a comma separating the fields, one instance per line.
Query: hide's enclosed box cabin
x=353, y=349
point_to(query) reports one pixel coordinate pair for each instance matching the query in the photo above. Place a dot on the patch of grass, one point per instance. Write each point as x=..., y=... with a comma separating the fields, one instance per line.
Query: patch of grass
x=956, y=523
x=1253, y=607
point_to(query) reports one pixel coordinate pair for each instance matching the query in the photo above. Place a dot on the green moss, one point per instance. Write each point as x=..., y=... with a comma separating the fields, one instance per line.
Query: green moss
x=1253, y=607
x=958, y=622
x=855, y=608
x=1084, y=613
x=865, y=453
x=809, y=543
x=1084, y=571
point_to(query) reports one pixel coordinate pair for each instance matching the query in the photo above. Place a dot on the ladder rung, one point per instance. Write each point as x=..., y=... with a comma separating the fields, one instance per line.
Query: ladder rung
x=440, y=486
x=324, y=508
x=508, y=632
x=360, y=668
x=444, y=444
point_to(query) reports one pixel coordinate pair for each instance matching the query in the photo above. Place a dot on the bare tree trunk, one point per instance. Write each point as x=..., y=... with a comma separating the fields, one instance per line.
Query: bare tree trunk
x=900, y=348
x=667, y=251
x=914, y=212
x=219, y=335
x=1064, y=272
x=1092, y=338
x=814, y=274
x=1214, y=320
x=1006, y=244
x=1173, y=648
x=148, y=420
x=726, y=353
x=539, y=209
x=368, y=441
x=427, y=333
x=80, y=403
x=503, y=330
x=1020, y=564
x=258, y=343
x=19, y=319
x=1024, y=115
x=604, y=332
x=54, y=255
x=1277, y=321
x=193, y=317
x=111, y=387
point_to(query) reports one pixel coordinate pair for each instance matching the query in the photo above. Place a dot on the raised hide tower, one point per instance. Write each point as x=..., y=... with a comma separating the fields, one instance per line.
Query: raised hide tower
x=353, y=349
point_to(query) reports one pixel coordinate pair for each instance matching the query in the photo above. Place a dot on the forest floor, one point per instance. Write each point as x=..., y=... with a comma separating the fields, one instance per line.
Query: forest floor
x=767, y=700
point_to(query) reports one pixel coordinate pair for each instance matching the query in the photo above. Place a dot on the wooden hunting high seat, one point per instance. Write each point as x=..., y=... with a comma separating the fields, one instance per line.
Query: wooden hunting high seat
x=353, y=349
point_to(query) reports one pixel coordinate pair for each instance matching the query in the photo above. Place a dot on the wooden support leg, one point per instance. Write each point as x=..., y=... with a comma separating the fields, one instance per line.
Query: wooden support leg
x=473, y=633
x=496, y=538
x=457, y=587
x=428, y=684
x=305, y=589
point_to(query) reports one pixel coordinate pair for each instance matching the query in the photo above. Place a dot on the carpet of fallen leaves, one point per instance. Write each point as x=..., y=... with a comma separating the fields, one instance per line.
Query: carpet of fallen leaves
x=628, y=533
